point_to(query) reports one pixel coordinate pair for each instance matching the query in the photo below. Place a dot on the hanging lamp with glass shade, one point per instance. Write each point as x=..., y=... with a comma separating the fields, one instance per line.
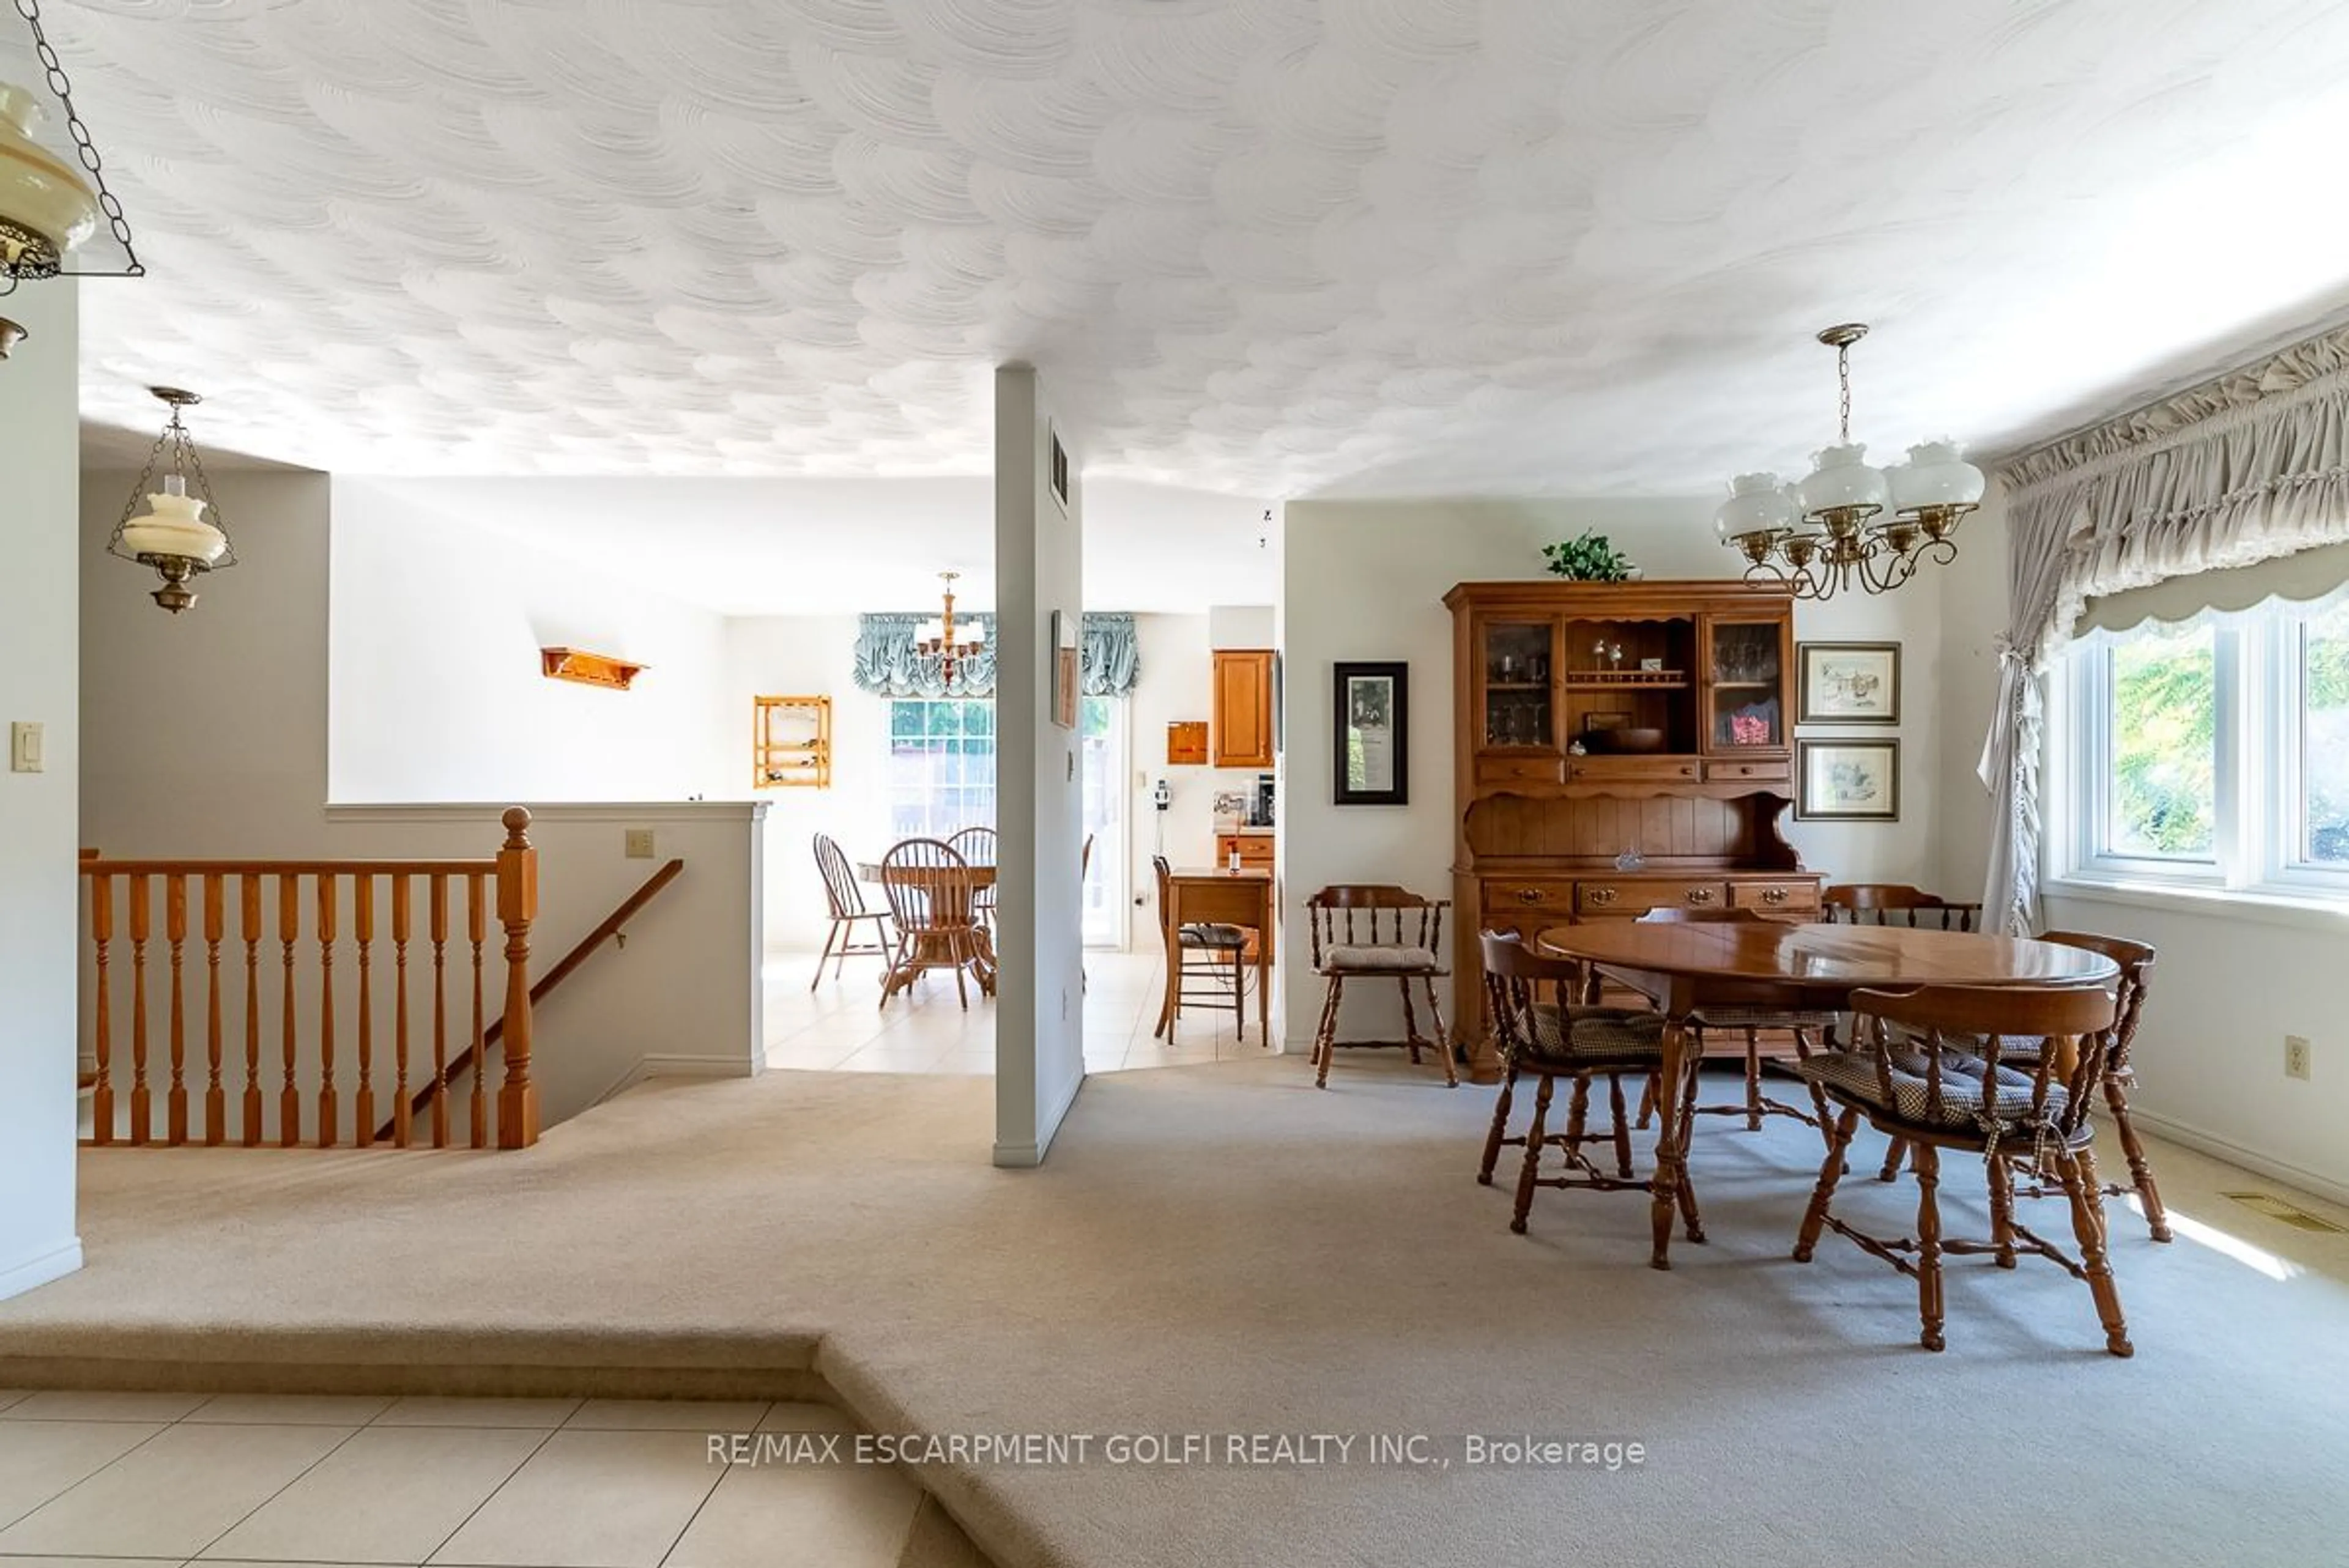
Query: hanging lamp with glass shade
x=48, y=207
x=173, y=535
x=1822, y=536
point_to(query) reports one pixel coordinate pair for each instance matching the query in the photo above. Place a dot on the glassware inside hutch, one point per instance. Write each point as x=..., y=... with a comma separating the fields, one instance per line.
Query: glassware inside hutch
x=1747, y=676
x=1516, y=684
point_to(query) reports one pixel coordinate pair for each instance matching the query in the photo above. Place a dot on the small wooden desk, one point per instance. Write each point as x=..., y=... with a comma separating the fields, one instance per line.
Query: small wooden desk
x=1684, y=968
x=927, y=945
x=1197, y=895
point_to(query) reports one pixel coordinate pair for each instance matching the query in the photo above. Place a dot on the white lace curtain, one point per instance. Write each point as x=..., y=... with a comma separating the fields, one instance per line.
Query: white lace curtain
x=2242, y=469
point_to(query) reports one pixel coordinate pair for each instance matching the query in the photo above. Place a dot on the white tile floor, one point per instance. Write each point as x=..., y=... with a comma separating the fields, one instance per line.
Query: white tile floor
x=841, y=1027
x=141, y=1479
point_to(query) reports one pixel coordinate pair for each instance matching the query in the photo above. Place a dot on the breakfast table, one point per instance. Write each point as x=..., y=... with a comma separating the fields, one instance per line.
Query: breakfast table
x=1686, y=968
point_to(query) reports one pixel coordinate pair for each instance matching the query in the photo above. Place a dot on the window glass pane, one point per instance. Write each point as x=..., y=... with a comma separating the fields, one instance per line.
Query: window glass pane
x=2324, y=739
x=2163, y=800
x=940, y=768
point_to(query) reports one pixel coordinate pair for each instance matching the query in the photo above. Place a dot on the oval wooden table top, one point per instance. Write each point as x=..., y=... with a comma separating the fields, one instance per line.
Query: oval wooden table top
x=1836, y=958
x=871, y=871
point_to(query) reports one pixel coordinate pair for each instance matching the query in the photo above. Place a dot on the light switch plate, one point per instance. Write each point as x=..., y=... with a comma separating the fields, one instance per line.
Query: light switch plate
x=24, y=747
x=639, y=842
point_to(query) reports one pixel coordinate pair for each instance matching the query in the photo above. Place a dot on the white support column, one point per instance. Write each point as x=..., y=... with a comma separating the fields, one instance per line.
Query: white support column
x=1039, y=1057
x=40, y=661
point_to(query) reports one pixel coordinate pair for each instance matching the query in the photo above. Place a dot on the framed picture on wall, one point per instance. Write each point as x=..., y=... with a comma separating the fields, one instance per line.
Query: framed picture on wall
x=1850, y=683
x=1370, y=759
x=1064, y=670
x=1848, y=780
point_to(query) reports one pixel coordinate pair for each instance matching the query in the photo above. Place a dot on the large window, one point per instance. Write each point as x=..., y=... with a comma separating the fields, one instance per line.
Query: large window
x=2214, y=753
x=940, y=777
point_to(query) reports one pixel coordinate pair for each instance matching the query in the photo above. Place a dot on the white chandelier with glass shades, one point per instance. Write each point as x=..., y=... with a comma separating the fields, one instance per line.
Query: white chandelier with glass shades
x=1822, y=536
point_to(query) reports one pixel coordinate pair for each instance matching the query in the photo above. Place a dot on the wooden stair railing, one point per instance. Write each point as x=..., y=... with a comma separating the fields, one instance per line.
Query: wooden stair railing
x=613, y=928
x=201, y=1116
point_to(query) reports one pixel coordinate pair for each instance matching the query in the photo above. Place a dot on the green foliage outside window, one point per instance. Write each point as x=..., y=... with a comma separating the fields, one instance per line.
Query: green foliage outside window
x=2164, y=744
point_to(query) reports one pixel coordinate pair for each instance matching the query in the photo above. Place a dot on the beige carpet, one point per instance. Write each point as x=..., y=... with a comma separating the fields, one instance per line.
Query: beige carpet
x=1221, y=1249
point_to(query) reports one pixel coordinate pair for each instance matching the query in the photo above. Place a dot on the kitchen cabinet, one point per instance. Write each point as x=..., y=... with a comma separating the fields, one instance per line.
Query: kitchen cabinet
x=1242, y=708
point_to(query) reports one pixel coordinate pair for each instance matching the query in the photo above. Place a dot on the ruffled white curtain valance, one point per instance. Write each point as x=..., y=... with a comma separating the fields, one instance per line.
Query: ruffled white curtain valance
x=2244, y=467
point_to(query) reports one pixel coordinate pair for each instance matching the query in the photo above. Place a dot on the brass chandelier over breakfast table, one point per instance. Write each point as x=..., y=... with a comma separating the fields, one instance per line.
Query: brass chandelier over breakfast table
x=1819, y=538
x=944, y=643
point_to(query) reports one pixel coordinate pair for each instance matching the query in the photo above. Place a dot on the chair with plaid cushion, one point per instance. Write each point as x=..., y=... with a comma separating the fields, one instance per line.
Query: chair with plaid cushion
x=1378, y=933
x=1916, y=1078
x=1803, y=1027
x=1540, y=1030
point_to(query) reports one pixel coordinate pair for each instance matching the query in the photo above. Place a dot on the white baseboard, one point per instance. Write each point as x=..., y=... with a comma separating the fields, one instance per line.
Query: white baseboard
x=1028, y=1156
x=675, y=1066
x=36, y=1272
x=2219, y=1148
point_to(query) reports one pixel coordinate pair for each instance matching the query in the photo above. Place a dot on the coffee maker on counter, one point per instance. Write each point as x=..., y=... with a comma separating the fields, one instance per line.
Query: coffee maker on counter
x=1260, y=802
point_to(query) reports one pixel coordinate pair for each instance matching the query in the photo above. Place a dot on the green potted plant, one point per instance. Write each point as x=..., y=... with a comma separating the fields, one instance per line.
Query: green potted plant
x=1589, y=558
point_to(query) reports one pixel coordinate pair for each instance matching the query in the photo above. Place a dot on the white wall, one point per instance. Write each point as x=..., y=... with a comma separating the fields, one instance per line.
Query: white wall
x=1040, y=1021
x=1366, y=580
x=38, y=811
x=436, y=691
x=206, y=735
x=2229, y=983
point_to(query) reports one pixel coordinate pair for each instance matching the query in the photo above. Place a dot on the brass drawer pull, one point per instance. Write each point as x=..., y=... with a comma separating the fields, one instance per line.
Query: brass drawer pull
x=1602, y=895
x=1530, y=895
x=1700, y=895
x=1773, y=895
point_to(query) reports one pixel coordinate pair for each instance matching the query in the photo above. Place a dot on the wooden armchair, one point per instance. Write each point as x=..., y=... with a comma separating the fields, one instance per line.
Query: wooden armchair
x=931, y=896
x=1378, y=932
x=1750, y=1022
x=1919, y=1079
x=1556, y=1038
x=977, y=846
x=1896, y=903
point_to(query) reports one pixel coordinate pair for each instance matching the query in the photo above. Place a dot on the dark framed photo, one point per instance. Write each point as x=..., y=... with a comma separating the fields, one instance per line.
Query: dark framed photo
x=1850, y=683
x=1848, y=780
x=1372, y=758
x=1058, y=477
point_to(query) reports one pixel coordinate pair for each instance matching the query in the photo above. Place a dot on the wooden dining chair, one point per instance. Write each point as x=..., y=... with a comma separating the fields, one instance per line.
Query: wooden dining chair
x=929, y=890
x=2135, y=960
x=845, y=901
x=1540, y=1030
x=1378, y=932
x=1915, y=1075
x=977, y=846
x=1896, y=903
x=1220, y=972
x=1804, y=1026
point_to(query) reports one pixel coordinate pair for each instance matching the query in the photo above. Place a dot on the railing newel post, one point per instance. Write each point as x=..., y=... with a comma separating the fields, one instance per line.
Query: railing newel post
x=517, y=908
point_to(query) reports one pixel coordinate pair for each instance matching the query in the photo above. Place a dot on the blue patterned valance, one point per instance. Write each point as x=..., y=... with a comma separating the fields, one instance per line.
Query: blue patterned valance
x=888, y=665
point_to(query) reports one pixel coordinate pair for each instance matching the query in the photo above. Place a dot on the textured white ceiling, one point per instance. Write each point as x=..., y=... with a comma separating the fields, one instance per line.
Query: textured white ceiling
x=1268, y=246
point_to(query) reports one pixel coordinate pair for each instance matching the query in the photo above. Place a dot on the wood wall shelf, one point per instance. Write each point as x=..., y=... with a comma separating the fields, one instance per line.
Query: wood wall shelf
x=588, y=669
x=790, y=742
x=1593, y=679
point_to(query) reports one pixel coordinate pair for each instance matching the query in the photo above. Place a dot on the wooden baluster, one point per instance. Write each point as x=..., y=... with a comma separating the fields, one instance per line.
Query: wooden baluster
x=289, y=931
x=215, y=925
x=102, y=931
x=477, y=929
x=363, y=932
x=329, y=1124
x=248, y=926
x=141, y=1104
x=175, y=931
x=517, y=908
x=440, y=1010
x=402, y=1116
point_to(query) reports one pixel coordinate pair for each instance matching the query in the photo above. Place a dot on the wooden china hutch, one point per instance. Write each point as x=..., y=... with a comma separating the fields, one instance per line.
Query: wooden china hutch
x=1620, y=747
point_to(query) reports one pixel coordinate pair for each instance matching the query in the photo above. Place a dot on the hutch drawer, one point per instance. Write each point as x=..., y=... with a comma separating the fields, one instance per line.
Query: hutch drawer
x=1775, y=771
x=1793, y=895
x=1494, y=769
x=1506, y=896
x=1635, y=769
x=1629, y=895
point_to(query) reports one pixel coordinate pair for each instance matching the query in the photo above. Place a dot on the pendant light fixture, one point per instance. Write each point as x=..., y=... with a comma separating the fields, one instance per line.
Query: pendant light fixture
x=173, y=535
x=46, y=207
x=1821, y=537
x=945, y=643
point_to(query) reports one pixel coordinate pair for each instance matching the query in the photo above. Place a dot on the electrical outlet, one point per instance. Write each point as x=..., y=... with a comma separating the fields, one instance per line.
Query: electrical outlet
x=2295, y=1056
x=639, y=843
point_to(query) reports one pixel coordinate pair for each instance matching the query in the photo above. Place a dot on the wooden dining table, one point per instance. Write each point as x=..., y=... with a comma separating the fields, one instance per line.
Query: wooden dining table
x=928, y=945
x=1221, y=895
x=1684, y=968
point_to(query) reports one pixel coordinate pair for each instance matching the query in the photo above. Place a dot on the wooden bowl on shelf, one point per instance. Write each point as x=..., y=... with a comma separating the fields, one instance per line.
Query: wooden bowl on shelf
x=1626, y=742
